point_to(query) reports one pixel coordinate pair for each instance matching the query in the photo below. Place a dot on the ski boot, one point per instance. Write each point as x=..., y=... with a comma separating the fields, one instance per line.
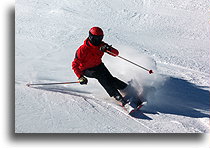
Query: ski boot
x=125, y=104
x=119, y=98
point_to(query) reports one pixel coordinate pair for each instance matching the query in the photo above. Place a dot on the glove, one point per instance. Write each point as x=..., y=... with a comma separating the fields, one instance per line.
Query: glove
x=105, y=47
x=83, y=80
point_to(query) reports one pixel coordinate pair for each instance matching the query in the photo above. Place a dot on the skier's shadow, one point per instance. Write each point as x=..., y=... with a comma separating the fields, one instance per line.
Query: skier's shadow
x=179, y=97
x=141, y=114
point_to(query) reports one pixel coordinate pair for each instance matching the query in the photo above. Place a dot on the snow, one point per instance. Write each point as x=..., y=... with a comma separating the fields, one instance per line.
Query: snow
x=170, y=37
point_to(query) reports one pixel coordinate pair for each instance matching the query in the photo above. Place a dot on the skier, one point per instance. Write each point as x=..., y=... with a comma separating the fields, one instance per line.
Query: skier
x=88, y=63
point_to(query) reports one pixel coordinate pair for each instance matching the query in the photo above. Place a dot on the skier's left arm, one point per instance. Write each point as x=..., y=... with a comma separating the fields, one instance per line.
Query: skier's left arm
x=114, y=52
x=109, y=49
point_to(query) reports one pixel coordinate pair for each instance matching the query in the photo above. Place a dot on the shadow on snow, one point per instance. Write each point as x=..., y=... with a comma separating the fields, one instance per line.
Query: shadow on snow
x=176, y=96
x=179, y=97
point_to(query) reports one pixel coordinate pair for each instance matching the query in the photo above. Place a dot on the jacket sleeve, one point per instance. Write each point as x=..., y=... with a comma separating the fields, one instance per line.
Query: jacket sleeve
x=79, y=56
x=114, y=51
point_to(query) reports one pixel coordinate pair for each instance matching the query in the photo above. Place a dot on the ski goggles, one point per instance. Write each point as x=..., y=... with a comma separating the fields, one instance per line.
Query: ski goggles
x=96, y=37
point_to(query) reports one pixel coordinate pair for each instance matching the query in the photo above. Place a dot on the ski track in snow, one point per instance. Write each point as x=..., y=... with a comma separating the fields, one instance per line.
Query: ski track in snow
x=99, y=108
x=174, y=33
x=103, y=111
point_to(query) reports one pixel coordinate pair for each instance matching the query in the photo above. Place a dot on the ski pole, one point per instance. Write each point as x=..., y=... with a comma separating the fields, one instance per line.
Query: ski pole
x=150, y=71
x=53, y=83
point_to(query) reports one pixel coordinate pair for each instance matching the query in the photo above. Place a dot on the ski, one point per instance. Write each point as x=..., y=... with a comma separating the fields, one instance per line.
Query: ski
x=131, y=107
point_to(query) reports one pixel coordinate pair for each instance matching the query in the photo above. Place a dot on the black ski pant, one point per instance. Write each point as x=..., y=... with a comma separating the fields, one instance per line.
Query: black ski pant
x=110, y=84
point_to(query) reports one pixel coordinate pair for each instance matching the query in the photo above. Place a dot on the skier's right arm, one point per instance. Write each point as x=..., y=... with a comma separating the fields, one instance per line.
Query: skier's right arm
x=79, y=57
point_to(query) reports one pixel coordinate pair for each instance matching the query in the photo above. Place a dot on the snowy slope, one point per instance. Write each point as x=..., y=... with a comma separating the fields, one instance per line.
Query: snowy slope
x=170, y=37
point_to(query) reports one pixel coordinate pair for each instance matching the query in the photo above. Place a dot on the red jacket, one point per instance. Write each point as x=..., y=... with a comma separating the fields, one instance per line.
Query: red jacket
x=88, y=56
